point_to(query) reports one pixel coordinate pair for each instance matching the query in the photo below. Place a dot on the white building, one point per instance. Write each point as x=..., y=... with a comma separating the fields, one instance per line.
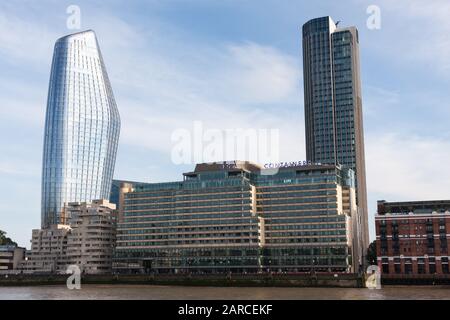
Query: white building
x=48, y=248
x=91, y=243
x=86, y=241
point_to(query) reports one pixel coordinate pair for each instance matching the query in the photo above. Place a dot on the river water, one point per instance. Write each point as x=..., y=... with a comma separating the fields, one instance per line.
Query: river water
x=139, y=292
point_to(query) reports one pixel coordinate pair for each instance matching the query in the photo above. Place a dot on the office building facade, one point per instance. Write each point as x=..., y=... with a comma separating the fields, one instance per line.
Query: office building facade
x=413, y=237
x=118, y=189
x=234, y=217
x=333, y=105
x=81, y=128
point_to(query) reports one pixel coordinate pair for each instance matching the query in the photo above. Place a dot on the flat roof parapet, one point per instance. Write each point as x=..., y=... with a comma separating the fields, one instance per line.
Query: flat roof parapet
x=235, y=165
x=254, y=167
x=406, y=207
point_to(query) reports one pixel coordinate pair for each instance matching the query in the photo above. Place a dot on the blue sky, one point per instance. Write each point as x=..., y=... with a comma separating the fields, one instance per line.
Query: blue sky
x=229, y=64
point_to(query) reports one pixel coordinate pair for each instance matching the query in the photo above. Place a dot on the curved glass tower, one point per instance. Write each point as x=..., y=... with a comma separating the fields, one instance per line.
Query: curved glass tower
x=82, y=127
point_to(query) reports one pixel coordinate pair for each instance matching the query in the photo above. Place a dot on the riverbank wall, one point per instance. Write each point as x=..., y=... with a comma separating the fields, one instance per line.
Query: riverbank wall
x=341, y=280
x=415, y=279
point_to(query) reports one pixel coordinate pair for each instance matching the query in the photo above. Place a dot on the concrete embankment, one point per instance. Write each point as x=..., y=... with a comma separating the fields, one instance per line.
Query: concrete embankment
x=341, y=280
x=416, y=279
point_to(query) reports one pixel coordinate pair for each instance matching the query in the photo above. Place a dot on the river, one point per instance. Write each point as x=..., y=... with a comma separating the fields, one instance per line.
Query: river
x=148, y=292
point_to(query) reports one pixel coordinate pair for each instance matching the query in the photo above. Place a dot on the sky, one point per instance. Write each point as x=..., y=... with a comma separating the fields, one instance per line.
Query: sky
x=228, y=64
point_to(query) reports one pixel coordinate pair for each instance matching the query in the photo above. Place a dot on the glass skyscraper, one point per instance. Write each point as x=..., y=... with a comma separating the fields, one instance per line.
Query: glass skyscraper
x=333, y=108
x=81, y=128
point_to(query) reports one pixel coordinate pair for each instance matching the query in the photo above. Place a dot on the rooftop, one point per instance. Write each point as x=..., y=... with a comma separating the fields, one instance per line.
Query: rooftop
x=417, y=207
x=89, y=31
x=237, y=165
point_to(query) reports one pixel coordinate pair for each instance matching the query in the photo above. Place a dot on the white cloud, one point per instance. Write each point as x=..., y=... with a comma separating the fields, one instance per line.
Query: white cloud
x=161, y=84
x=23, y=101
x=402, y=167
x=226, y=86
x=377, y=99
x=415, y=31
x=262, y=73
x=153, y=128
x=18, y=169
x=21, y=41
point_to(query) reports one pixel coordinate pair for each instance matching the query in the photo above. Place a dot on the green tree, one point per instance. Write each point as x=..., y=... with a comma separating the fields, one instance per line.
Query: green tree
x=372, y=253
x=4, y=240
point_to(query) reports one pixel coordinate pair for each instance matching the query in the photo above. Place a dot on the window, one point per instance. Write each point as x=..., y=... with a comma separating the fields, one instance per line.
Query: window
x=408, y=268
x=445, y=268
x=432, y=267
x=421, y=268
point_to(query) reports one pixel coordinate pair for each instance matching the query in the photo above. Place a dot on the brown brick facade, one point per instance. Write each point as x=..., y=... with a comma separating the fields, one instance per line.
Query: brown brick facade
x=413, y=237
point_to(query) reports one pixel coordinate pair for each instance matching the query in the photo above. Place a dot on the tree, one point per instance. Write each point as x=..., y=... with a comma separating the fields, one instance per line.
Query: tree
x=372, y=253
x=4, y=240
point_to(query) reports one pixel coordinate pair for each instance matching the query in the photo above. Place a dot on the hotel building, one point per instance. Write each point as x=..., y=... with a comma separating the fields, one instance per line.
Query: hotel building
x=239, y=217
x=413, y=237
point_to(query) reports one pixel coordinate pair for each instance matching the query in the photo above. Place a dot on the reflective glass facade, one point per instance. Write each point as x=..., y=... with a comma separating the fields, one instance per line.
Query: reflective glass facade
x=304, y=224
x=81, y=128
x=333, y=107
x=241, y=220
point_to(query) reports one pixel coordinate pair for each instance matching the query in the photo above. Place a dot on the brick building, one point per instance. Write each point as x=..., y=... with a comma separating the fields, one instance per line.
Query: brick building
x=413, y=237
